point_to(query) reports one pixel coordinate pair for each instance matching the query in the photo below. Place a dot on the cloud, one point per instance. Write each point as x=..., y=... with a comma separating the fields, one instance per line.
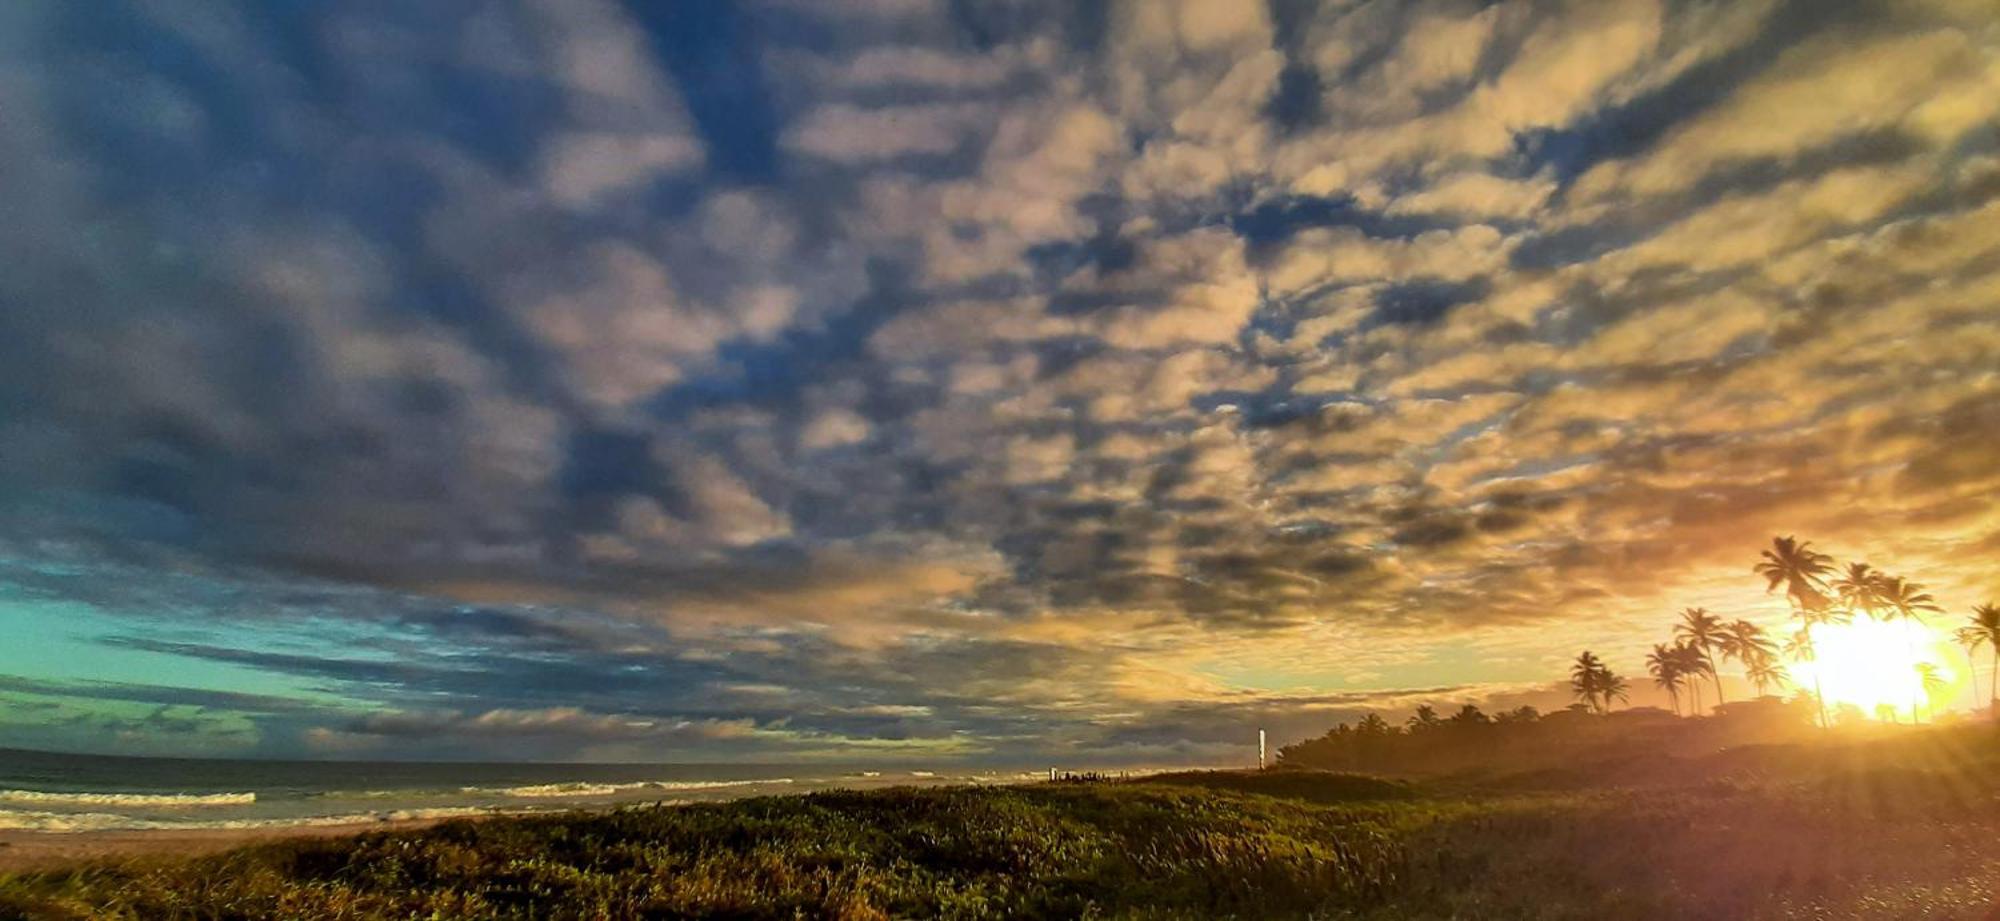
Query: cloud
x=907, y=379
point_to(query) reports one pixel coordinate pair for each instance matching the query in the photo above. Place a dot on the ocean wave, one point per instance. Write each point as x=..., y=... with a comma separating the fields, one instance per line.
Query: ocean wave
x=152, y=800
x=556, y=789
x=546, y=790
x=71, y=822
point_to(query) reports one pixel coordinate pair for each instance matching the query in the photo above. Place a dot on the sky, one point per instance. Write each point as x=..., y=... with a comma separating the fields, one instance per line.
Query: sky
x=952, y=380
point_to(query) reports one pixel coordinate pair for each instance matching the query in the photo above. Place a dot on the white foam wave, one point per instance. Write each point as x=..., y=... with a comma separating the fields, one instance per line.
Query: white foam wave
x=559, y=789
x=150, y=800
x=70, y=822
x=579, y=789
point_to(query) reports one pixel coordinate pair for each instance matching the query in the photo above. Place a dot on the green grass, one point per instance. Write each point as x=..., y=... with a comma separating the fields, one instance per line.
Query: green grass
x=1783, y=833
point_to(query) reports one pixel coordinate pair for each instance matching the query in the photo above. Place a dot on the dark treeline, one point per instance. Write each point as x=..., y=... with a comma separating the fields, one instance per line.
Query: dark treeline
x=1822, y=596
x=1525, y=740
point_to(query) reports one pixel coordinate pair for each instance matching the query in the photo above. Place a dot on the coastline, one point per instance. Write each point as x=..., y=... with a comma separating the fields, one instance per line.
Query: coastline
x=32, y=849
x=27, y=849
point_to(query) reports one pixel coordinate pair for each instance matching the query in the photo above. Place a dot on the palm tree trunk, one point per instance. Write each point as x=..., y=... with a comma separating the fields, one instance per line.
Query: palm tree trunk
x=1916, y=699
x=1993, y=687
x=1819, y=697
x=1717, y=675
x=1970, y=663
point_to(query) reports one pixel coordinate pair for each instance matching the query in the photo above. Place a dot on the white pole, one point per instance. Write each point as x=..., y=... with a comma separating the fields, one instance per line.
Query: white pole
x=1260, y=749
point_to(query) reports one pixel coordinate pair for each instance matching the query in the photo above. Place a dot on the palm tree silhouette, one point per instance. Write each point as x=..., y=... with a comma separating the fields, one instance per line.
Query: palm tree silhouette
x=1767, y=672
x=1701, y=630
x=1586, y=679
x=1931, y=681
x=1860, y=589
x=1665, y=668
x=1982, y=628
x=1693, y=664
x=1746, y=643
x=1799, y=568
x=1900, y=599
x=1426, y=717
x=1610, y=686
x=1800, y=648
x=1897, y=599
x=1802, y=571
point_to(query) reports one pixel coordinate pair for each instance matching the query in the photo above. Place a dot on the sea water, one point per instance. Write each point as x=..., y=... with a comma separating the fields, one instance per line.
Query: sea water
x=66, y=792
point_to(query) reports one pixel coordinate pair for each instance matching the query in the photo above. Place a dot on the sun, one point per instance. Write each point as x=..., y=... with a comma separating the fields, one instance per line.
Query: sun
x=1873, y=665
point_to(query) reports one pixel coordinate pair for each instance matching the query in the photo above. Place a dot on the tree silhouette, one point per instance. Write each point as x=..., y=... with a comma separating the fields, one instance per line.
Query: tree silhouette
x=1468, y=716
x=1900, y=600
x=1802, y=570
x=1767, y=672
x=1903, y=600
x=1803, y=651
x=1932, y=682
x=1701, y=630
x=1666, y=669
x=1799, y=568
x=1425, y=719
x=1610, y=686
x=1859, y=588
x=1982, y=628
x=1590, y=681
x=1800, y=648
x=1694, y=664
x=1746, y=643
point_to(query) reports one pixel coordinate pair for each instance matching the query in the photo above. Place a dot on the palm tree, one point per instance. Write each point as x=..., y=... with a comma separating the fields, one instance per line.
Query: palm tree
x=1701, y=630
x=1904, y=600
x=1586, y=679
x=1932, y=682
x=1800, y=648
x=1373, y=725
x=1901, y=600
x=1767, y=672
x=1666, y=671
x=1693, y=664
x=1746, y=643
x=1802, y=571
x=1610, y=686
x=1983, y=629
x=1799, y=568
x=1860, y=589
x=1469, y=715
x=1425, y=718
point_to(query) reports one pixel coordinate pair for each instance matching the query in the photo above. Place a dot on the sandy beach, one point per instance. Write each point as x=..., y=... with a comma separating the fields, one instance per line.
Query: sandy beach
x=31, y=850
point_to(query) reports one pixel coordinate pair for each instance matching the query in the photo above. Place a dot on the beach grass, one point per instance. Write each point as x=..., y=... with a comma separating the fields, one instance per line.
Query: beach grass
x=1788, y=832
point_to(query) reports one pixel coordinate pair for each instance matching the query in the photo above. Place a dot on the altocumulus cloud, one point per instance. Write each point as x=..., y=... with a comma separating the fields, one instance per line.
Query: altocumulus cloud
x=567, y=378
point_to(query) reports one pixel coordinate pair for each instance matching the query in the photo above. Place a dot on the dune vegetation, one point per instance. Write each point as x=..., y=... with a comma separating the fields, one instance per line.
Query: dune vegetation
x=1895, y=827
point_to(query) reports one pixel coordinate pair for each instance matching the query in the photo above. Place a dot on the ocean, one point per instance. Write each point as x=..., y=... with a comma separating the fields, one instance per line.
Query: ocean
x=65, y=792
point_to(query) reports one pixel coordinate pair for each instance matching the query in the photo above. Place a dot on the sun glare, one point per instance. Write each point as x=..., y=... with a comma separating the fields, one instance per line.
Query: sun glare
x=1872, y=665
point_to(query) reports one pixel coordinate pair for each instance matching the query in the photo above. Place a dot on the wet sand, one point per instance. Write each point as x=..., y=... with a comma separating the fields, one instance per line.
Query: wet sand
x=38, y=850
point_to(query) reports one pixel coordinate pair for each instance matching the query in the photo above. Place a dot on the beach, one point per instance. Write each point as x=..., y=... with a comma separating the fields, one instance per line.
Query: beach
x=34, y=850
x=61, y=808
